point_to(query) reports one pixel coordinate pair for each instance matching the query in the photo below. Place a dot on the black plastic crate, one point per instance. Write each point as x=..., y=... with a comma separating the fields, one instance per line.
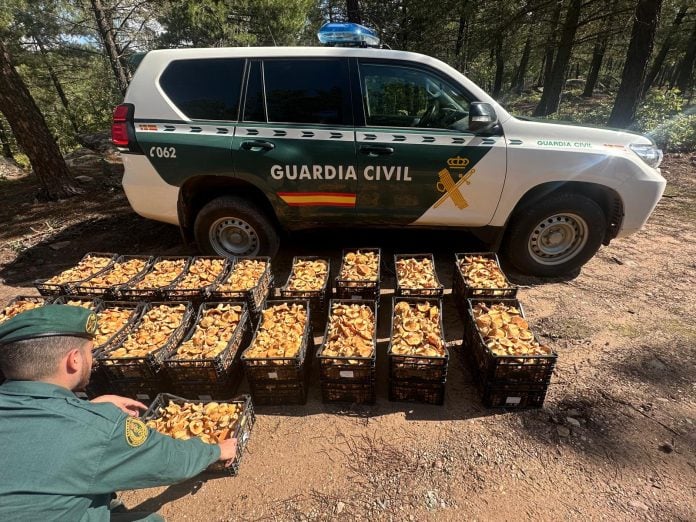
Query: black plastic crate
x=403, y=291
x=348, y=369
x=130, y=293
x=46, y=288
x=359, y=289
x=279, y=369
x=146, y=368
x=242, y=430
x=210, y=390
x=82, y=301
x=143, y=390
x=317, y=298
x=85, y=288
x=504, y=369
x=255, y=296
x=460, y=286
x=40, y=300
x=352, y=392
x=211, y=370
x=417, y=368
x=273, y=393
x=410, y=391
x=117, y=337
x=515, y=396
x=174, y=293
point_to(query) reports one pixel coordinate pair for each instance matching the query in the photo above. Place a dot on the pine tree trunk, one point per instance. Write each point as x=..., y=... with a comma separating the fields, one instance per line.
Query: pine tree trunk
x=662, y=54
x=5, y=142
x=353, y=11
x=551, y=97
x=548, y=56
x=646, y=19
x=56, y=83
x=499, y=67
x=518, y=85
x=686, y=67
x=106, y=33
x=31, y=132
x=600, y=48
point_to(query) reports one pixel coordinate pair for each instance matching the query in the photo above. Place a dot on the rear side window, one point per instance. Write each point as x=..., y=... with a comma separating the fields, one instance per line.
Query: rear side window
x=205, y=89
x=308, y=91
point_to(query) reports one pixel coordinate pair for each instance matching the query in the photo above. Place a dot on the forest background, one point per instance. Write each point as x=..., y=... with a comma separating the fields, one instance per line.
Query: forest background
x=65, y=64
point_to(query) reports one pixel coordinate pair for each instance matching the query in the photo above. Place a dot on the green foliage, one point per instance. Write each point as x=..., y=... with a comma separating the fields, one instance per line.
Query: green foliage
x=664, y=117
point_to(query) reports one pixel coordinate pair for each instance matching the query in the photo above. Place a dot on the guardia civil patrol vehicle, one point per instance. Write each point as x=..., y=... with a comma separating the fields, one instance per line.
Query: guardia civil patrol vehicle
x=236, y=145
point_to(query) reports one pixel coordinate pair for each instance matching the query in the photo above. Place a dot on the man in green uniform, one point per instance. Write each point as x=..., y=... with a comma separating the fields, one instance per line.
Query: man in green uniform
x=61, y=458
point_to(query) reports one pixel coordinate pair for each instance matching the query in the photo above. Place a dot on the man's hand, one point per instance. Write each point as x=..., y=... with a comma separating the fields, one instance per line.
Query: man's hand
x=228, y=451
x=126, y=405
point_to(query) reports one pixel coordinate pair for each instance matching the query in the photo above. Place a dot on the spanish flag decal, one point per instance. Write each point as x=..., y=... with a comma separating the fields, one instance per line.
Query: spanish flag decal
x=318, y=199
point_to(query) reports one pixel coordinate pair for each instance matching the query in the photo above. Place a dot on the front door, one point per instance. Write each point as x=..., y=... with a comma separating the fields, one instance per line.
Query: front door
x=296, y=139
x=418, y=163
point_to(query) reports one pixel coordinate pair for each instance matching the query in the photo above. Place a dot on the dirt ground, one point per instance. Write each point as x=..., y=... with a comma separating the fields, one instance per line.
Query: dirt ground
x=615, y=440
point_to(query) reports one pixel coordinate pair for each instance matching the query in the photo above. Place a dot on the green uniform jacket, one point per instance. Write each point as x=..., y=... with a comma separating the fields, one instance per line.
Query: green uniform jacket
x=62, y=457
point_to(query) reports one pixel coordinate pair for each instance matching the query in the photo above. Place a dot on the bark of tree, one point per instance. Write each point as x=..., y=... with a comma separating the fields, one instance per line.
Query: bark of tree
x=662, y=53
x=686, y=67
x=518, y=85
x=550, y=51
x=31, y=132
x=499, y=66
x=106, y=33
x=353, y=11
x=58, y=86
x=5, y=142
x=551, y=97
x=600, y=48
x=646, y=18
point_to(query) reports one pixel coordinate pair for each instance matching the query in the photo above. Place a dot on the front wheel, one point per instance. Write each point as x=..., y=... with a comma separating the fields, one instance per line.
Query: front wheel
x=556, y=236
x=231, y=226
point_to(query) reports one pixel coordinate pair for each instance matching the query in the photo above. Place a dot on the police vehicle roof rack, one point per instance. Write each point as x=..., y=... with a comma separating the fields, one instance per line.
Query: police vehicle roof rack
x=347, y=35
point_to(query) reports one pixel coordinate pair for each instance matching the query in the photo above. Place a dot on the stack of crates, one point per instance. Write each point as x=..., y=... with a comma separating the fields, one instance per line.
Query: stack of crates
x=256, y=295
x=317, y=297
x=279, y=380
x=418, y=377
x=349, y=378
x=142, y=377
x=505, y=381
x=356, y=286
x=212, y=377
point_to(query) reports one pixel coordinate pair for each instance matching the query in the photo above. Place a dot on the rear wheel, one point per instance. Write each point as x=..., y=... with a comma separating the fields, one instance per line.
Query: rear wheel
x=556, y=236
x=231, y=226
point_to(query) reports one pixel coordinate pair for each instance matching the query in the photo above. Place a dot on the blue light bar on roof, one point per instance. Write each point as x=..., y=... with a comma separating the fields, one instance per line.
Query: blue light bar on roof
x=347, y=34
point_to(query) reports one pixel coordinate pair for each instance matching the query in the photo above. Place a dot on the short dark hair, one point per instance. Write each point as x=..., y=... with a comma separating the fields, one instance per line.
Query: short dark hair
x=37, y=358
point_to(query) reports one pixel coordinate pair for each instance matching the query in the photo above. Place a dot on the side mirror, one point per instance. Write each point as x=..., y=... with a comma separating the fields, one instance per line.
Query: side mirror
x=481, y=116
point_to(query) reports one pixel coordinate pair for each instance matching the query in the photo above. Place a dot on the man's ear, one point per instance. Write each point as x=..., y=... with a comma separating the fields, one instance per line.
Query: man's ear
x=74, y=360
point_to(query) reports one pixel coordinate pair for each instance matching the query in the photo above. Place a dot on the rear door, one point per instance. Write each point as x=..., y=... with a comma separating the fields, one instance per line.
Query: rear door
x=417, y=161
x=296, y=139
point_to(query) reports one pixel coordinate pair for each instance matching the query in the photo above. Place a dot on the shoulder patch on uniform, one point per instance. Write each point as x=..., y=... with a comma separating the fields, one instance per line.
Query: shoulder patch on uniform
x=136, y=432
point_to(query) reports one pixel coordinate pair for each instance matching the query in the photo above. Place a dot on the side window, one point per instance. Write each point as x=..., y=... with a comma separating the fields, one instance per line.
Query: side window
x=398, y=96
x=205, y=89
x=254, y=107
x=308, y=91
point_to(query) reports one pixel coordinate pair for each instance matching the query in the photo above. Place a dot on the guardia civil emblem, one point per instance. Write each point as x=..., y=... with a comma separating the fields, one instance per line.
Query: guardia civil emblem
x=456, y=167
x=91, y=325
x=136, y=432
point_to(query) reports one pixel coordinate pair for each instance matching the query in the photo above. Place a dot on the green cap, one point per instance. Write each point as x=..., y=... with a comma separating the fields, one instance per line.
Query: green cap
x=49, y=320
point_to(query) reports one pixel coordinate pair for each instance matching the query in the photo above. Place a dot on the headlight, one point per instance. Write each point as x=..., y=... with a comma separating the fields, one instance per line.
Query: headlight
x=650, y=154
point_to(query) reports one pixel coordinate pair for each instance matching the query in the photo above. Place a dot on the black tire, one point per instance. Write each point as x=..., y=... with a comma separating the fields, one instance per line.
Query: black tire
x=242, y=229
x=575, y=221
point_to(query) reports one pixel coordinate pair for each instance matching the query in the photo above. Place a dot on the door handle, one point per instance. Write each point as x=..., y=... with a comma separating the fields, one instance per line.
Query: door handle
x=373, y=150
x=257, y=145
